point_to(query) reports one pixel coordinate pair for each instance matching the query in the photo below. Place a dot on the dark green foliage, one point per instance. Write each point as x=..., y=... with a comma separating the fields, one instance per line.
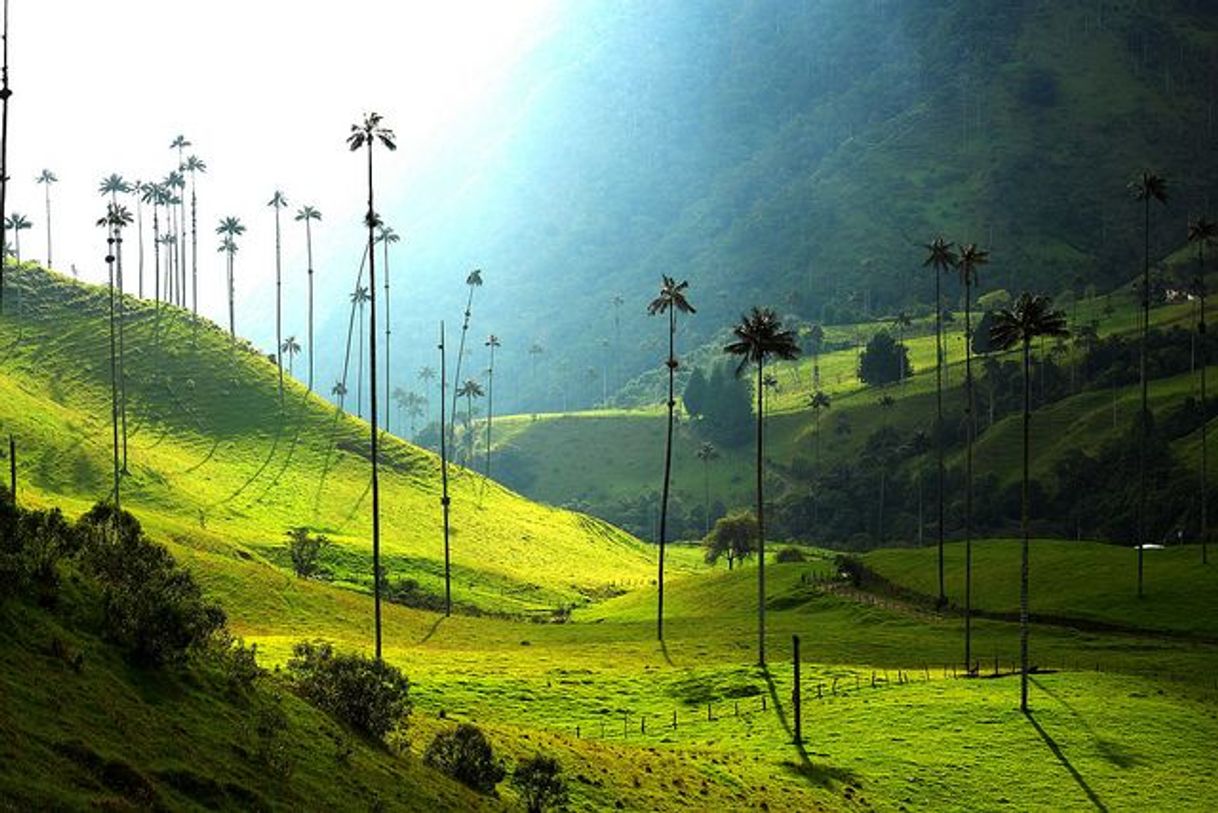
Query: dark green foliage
x=883, y=360
x=790, y=555
x=152, y=608
x=32, y=543
x=369, y=695
x=694, y=395
x=733, y=537
x=727, y=408
x=465, y=754
x=306, y=551
x=540, y=783
x=982, y=342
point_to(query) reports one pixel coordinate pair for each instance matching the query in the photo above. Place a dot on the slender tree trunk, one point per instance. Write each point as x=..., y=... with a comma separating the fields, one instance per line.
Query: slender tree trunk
x=5, y=93
x=942, y=602
x=1205, y=414
x=122, y=352
x=47, y=191
x=110, y=260
x=672, y=372
x=359, y=367
x=194, y=244
x=444, y=500
x=706, y=484
x=469, y=303
x=1143, y=435
x=1023, y=561
x=139, y=230
x=376, y=491
x=490, y=409
x=388, y=335
x=309, y=248
x=969, y=431
x=232, y=293
x=279, y=305
x=760, y=516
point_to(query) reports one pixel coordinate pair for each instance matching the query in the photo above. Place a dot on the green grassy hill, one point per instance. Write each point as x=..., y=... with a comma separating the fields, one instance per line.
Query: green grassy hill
x=219, y=465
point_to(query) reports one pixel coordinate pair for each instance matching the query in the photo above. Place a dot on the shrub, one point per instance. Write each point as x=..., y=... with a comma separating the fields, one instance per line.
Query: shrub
x=464, y=754
x=734, y=536
x=369, y=695
x=151, y=607
x=237, y=662
x=540, y=783
x=883, y=360
x=790, y=555
x=305, y=551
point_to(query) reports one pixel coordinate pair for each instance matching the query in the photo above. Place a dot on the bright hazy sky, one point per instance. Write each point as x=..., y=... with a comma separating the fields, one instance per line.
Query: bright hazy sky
x=265, y=89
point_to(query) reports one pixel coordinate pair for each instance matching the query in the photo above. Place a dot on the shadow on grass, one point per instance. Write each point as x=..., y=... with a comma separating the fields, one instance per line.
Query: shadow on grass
x=823, y=776
x=1061, y=757
x=664, y=649
x=432, y=631
x=1112, y=751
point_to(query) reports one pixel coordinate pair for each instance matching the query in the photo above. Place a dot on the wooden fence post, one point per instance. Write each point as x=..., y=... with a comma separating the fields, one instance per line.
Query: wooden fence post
x=796, y=697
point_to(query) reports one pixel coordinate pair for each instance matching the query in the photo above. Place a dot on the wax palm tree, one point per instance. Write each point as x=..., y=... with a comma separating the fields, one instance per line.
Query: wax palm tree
x=617, y=301
x=175, y=182
x=386, y=236
x=230, y=228
x=816, y=340
x=359, y=298
x=1030, y=318
x=339, y=391
x=415, y=405
x=474, y=282
x=278, y=201
x=1203, y=232
x=671, y=299
x=291, y=347
x=760, y=336
x=970, y=259
x=444, y=498
x=178, y=182
x=308, y=214
x=470, y=390
x=47, y=178
x=427, y=375
x=194, y=165
x=940, y=256
x=708, y=454
x=901, y=322
x=139, y=189
x=366, y=134
x=116, y=219
x=492, y=342
x=1146, y=188
x=17, y=223
x=108, y=222
x=155, y=194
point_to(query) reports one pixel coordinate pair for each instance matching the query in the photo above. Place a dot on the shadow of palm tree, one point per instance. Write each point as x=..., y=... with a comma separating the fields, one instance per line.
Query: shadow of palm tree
x=823, y=776
x=435, y=626
x=1061, y=757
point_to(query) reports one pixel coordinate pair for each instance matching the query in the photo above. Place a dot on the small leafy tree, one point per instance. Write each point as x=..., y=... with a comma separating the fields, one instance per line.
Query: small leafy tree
x=540, y=783
x=306, y=551
x=883, y=360
x=465, y=754
x=734, y=536
x=369, y=695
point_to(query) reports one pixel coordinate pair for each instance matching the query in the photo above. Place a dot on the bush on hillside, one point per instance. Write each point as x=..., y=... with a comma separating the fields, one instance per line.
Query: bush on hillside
x=465, y=754
x=151, y=607
x=305, y=551
x=540, y=783
x=790, y=555
x=883, y=360
x=369, y=695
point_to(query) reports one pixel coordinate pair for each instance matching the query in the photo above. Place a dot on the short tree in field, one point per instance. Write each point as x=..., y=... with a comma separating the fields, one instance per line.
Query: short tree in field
x=306, y=551
x=540, y=783
x=884, y=361
x=734, y=537
x=465, y=754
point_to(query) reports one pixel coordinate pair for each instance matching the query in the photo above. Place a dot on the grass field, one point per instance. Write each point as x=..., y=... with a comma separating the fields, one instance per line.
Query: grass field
x=218, y=472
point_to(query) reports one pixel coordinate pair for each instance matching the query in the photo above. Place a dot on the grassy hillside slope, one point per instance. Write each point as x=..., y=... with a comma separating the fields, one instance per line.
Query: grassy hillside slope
x=217, y=463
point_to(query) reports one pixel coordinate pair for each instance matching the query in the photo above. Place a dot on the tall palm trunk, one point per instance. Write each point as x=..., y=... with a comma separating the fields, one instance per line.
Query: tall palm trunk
x=359, y=366
x=47, y=194
x=5, y=93
x=942, y=602
x=110, y=261
x=672, y=372
x=490, y=409
x=194, y=245
x=1205, y=528
x=1023, y=521
x=388, y=335
x=444, y=500
x=376, y=490
x=232, y=316
x=760, y=516
x=122, y=353
x=469, y=303
x=706, y=498
x=139, y=233
x=278, y=306
x=309, y=249
x=1144, y=434
x=969, y=431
